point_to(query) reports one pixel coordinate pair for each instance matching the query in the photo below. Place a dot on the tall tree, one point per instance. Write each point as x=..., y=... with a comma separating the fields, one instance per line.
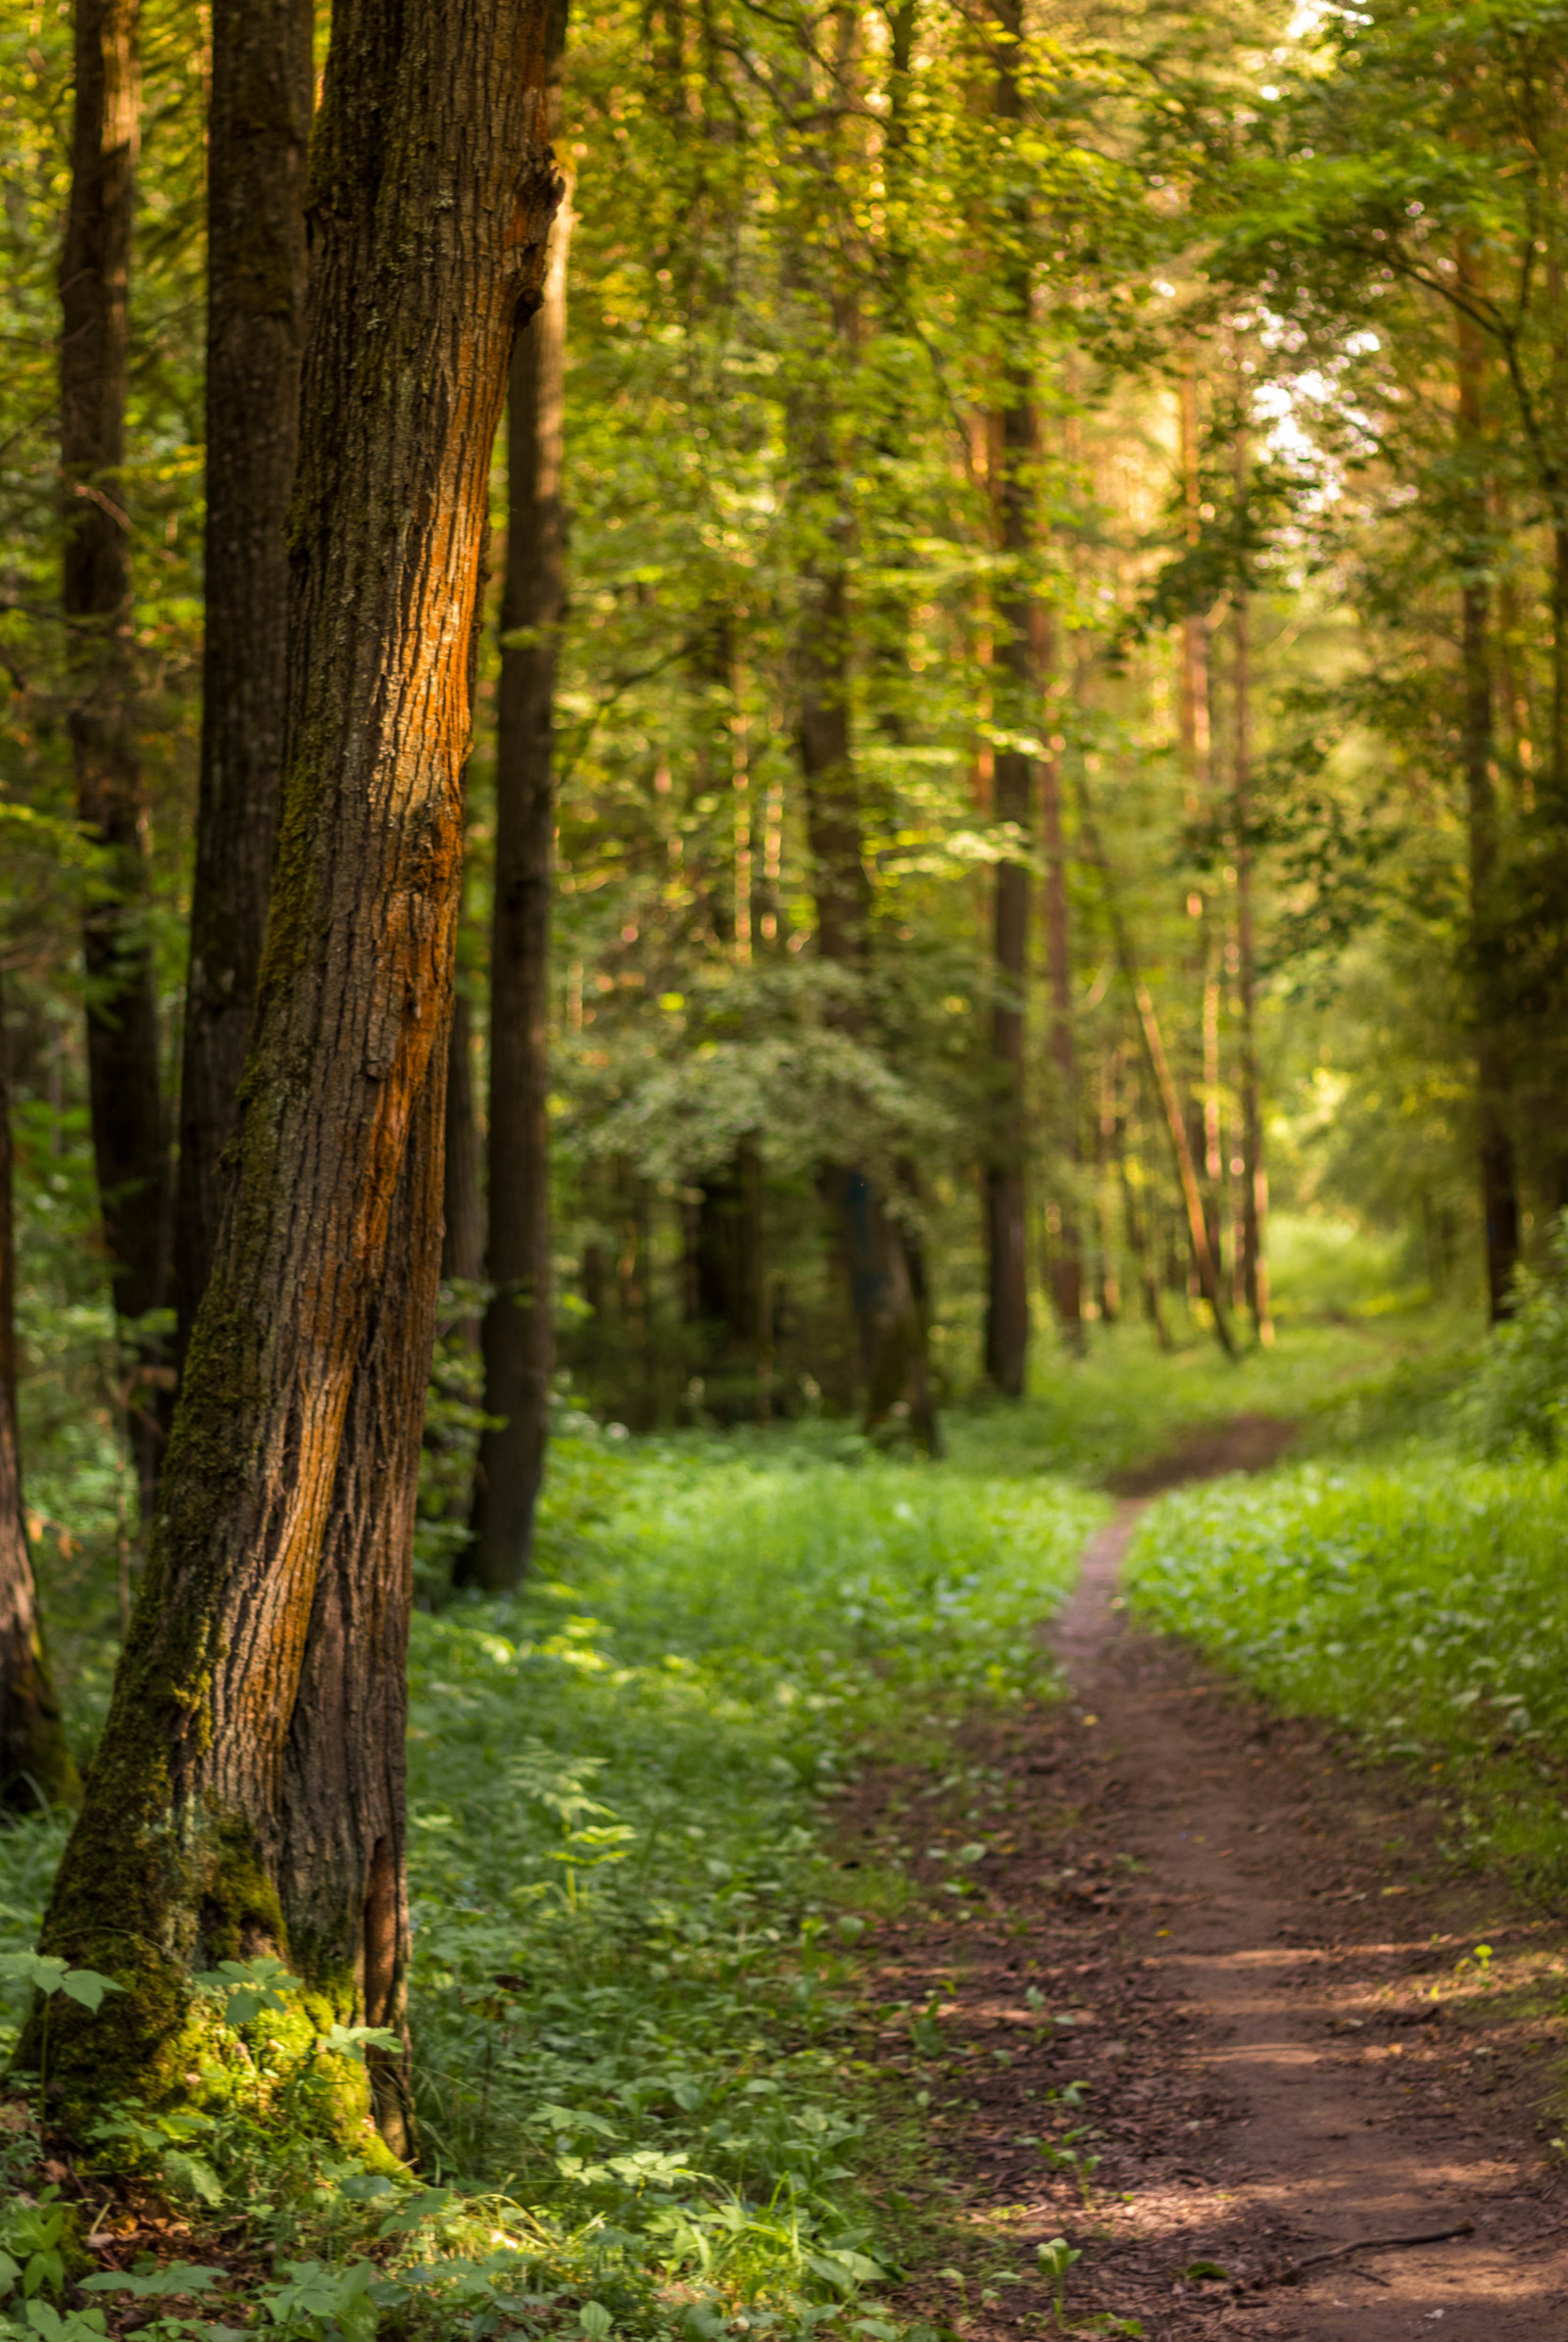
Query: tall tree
x=130, y=1142
x=1006, y=1332
x=257, y=130
x=36, y=1768
x=431, y=195
x=1500, y=1201
x=519, y=1335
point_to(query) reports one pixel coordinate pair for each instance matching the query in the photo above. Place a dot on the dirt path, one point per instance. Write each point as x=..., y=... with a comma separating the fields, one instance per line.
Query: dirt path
x=1266, y=1974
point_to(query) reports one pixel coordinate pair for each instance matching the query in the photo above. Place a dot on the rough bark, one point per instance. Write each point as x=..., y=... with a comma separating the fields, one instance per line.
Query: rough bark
x=519, y=1348
x=257, y=130
x=36, y=1768
x=1499, y=1200
x=341, y=1861
x=1007, y=1327
x=431, y=194
x=129, y=1151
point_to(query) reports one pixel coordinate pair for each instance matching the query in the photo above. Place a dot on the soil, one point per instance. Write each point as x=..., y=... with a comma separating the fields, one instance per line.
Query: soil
x=1261, y=1961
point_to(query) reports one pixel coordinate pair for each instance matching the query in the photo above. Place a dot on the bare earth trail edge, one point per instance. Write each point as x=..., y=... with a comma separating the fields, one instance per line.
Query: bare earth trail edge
x=1289, y=2043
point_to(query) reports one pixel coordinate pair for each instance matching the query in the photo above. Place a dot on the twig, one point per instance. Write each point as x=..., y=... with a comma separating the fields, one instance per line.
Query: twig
x=1363, y=2244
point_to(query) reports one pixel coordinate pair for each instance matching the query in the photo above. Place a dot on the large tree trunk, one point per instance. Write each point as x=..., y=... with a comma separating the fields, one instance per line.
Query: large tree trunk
x=36, y=1762
x=431, y=196
x=341, y=1864
x=257, y=130
x=519, y=1344
x=1006, y=1328
x=129, y=1151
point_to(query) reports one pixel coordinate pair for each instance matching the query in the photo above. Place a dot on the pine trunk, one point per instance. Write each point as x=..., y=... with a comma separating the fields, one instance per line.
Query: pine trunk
x=258, y=131
x=36, y=1762
x=519, y=1346
x=431, y=196
x=129, y=1152
x=1007, y=1330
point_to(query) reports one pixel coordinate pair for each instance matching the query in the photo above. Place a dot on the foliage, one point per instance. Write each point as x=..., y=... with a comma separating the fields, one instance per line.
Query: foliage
x=1519, y=1397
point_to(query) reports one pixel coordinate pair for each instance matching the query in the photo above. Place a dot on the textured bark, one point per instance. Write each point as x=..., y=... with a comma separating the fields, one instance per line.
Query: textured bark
x=129, y=1151
x=341, y=1862
x=257, y=130
x=1006, y=1328
x=1499, y=1200
x=36, y=1762
x=431, y=194
x=519, y=1346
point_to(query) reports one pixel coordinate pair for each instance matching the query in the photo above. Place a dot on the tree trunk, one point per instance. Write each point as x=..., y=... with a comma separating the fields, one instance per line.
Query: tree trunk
x=431, y=196
x=461, y=1200
x=1007, y=1330
x=341, y=1862
x=729, y=1295
x=1254, y=1173
x=36, y=1768
x=257, y=130
x=1165, y=1090
x=519, y=1346
x=1067, y=1267
x=885, y=1294
x=129, y=1151
x=1499, y=1200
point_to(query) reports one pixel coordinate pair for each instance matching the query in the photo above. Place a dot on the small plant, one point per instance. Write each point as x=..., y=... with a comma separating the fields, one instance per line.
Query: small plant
x=49, y=1976
x=1055, y=2258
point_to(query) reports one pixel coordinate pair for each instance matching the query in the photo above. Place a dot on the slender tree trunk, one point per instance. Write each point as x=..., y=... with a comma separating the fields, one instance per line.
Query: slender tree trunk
x=462, y=1200
x=258, y=131
x=1067, y=1272
x=1499, y=1200
x=1165, y=1090
x=730, y=1286
x=1007, y=1330
x=519, y=1340
x=1254, y=1172
x=885, y=1294
x=431, y=195
x=130, y=1150
x=36, y=1768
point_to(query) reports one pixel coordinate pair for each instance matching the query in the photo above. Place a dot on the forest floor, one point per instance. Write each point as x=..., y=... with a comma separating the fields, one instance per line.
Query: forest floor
x=1299, y=2028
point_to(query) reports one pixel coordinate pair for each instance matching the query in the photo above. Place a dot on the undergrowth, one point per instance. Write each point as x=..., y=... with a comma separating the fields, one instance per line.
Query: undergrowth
x=641, y=2102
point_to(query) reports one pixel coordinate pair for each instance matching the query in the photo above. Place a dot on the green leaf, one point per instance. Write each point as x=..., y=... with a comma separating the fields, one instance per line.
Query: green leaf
x=595, y=2321
x=87, y=1987
x=180, y=2277
x=190, y=2171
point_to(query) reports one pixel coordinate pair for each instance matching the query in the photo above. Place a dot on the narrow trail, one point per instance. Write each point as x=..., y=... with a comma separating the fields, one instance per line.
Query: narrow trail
x=1266, y=1975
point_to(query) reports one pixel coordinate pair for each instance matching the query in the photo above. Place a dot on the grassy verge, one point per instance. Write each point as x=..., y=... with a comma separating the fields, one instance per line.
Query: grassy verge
x=643, y=2102
x=1415, y=1598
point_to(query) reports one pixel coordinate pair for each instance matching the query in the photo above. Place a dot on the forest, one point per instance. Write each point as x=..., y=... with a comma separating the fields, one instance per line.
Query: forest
x=783, y=1169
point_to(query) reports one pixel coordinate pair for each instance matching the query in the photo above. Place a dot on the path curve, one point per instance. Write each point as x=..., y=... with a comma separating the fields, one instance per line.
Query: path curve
x=1262, y=1968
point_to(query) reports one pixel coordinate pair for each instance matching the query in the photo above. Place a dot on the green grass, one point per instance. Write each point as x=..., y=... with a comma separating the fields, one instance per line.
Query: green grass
x=1416, y=1598
x=639, y=2068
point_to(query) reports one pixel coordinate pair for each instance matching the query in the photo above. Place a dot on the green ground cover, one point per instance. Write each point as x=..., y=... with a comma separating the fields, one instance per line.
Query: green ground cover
x=637, y=2053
